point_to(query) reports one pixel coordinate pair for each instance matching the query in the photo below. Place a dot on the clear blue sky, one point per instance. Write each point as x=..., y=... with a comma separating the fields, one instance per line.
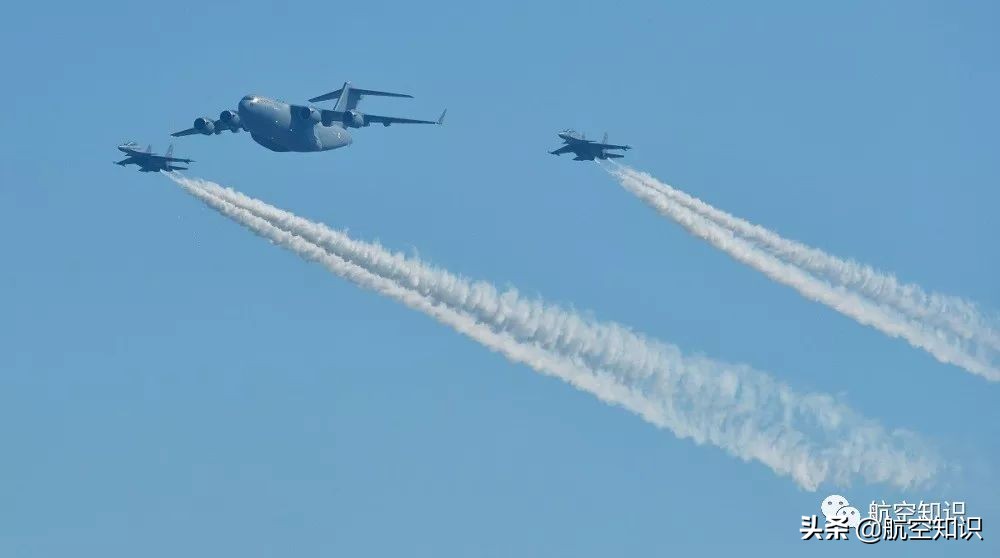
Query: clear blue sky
x=171, y=385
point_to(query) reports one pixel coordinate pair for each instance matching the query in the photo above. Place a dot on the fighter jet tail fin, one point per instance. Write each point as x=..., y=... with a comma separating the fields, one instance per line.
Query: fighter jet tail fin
x=170, y=151
x=605, y=140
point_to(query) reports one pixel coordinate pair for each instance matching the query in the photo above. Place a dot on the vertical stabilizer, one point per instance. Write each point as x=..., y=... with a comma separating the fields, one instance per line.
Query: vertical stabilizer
x=345, y=94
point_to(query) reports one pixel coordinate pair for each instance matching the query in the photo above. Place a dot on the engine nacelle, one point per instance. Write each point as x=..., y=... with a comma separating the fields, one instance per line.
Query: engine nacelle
x=204, y=125
x=354, y=119
x=307, y=113
x=230, y=119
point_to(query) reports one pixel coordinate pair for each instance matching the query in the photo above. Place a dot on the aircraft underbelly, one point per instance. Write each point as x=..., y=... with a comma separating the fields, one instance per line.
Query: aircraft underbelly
x=301, y=137
x=276, y=136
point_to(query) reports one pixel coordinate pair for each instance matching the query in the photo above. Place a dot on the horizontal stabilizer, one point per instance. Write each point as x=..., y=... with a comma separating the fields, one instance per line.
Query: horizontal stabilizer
x=371, y=92
x=354, y=95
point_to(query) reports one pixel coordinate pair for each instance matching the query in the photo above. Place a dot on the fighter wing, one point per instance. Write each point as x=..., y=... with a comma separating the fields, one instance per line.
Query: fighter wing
x=563, y=149
x=611, y=146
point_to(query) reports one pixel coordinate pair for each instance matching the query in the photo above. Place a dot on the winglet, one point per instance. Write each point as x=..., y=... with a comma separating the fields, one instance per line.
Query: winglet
x=441, y=118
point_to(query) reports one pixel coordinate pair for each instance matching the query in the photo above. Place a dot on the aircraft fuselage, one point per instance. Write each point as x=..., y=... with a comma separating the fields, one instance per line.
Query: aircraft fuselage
x=273, y=125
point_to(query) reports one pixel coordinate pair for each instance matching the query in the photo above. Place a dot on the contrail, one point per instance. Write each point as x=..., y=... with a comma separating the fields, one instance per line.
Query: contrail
x=961, y=316
x=945, y=346
x=812, y=438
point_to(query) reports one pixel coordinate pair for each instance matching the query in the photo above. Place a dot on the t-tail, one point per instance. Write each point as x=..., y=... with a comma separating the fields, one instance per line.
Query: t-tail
x=348, y=96
x=345, y=94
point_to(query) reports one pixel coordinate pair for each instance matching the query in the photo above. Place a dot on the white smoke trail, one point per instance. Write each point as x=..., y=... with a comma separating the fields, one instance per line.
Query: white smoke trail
x=810, y=437
x=947, y=348
x=959, y=315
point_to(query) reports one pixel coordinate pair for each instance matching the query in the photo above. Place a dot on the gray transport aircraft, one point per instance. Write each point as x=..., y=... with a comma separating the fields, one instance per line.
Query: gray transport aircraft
x=147, y=161
x=283, y=127
x=585, y=149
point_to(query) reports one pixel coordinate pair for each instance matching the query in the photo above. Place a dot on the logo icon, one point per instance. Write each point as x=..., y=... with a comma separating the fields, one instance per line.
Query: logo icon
x=837, y=509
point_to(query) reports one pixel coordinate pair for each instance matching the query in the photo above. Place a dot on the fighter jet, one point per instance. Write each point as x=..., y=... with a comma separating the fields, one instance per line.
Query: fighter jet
x=282, y=127
x=585, y=149
x=147, y=161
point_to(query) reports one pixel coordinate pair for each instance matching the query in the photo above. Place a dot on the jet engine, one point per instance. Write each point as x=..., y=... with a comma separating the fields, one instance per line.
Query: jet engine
x=228, y=119
x=205, y=125
x=354, y=119
x=307, y=113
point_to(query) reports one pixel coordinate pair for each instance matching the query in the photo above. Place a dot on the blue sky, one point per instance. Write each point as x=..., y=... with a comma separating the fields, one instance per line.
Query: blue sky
x=170, y=384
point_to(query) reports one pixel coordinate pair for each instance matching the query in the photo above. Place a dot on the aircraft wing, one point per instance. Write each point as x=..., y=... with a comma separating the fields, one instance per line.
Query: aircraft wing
x=188, y=132
x=164, y=158
x=387, y=120
x=563, y=149
x=611, y=146
x=337, y=115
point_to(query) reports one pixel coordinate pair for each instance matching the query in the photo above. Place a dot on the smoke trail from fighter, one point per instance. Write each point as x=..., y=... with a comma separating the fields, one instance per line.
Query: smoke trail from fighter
x=960, y=316
x=810, y=437
x=945, y=346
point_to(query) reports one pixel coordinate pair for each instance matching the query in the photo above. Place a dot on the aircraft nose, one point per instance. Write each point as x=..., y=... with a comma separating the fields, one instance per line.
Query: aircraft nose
x=249, y=107
x=250, y=103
